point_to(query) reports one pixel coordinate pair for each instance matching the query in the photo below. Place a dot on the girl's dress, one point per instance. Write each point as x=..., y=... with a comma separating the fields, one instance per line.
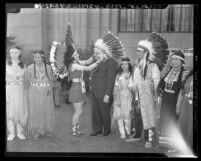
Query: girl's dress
x=122, y=98
x=122, y=104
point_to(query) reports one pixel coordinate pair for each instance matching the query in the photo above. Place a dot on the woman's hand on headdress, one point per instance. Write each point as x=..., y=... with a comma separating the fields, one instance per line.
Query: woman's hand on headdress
x=55, y=43
x=98, y=61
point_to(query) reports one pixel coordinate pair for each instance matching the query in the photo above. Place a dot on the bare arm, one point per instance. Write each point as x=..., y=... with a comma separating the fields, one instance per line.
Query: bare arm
x=86, y=62
x=85, y=68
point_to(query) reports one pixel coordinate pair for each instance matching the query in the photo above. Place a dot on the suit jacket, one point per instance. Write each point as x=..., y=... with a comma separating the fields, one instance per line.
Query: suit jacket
x=103, y=78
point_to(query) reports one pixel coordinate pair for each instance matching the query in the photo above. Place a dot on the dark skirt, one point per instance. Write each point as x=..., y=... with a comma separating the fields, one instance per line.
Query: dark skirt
x=168, y=111
x=185, y=121
x=75, y=93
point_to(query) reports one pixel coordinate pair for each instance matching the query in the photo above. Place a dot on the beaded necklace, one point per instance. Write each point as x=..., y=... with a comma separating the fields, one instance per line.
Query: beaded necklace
x=40, y=71
x=17, y=69
x=172, y=77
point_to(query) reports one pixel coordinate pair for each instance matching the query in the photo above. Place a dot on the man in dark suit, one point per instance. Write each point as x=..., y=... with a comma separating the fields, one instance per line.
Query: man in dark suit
x=102, y=83
x=110, y=51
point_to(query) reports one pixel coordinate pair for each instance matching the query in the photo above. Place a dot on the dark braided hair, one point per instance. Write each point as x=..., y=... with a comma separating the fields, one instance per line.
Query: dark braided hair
x=68, y=59
x=119, y=70
x=161, y=48
x=184, y=81
x=43, y=57
x=20, y=64
x=144, y=74
x=180, y=76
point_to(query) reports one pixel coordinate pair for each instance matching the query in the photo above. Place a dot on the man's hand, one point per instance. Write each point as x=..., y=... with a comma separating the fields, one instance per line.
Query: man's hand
x=106, y=99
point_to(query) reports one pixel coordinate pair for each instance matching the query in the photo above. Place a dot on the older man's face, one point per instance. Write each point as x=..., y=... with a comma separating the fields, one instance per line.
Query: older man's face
x=99, y=54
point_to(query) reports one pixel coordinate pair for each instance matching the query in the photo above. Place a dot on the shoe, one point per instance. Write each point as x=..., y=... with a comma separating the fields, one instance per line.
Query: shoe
x=79, y=132
x=74, y=131
x=123, y=136
x=148, y=144
x=21, y=136
x=172, y=150
x=132, y=139
x=106, y=134
x=10, y=137
x=35, y=137
x=95, y=133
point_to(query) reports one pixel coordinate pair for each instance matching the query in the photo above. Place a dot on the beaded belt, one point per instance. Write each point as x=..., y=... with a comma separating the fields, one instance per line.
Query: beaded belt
x=77, y=80
x=169, y=91
x=40, y=84
x=14, y=83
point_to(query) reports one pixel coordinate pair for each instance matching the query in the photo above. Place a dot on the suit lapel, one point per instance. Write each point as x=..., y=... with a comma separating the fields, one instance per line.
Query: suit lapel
x=97, y=68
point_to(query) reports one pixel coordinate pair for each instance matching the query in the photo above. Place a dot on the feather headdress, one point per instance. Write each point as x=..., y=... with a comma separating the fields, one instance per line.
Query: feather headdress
x=112, y=46
x=59, y=53
x=158, y=48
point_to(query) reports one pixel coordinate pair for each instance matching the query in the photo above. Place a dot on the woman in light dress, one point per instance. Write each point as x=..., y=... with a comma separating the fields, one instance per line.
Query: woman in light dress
x=16, y=106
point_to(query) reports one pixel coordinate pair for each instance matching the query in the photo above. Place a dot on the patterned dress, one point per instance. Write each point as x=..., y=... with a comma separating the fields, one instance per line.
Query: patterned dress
x=171, y=85
x=40, y=100
x=122, y=98
x=146, y=94
x=16, y=107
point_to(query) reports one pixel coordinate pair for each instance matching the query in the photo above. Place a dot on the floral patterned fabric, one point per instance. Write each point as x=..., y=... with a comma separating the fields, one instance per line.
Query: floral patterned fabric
x=16, y=105
x=147, y=98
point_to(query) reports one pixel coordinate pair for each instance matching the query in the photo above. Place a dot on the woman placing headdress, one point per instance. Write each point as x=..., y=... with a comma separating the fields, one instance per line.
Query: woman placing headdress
x=75, y=68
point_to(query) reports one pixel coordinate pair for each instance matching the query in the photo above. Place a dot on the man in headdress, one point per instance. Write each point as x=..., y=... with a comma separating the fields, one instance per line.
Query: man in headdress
x=152, y=55
x=110, y=50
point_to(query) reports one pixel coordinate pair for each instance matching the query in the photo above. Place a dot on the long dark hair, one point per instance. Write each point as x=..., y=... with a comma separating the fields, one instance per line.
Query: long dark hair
x=20, y=64
x=144, y=74
x=43, y=57
x=120, y=70
x=68, y=59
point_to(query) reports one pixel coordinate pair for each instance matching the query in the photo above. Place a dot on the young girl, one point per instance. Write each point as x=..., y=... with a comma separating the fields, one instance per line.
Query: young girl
x=16, y=107
x=39, y=82
x=123, y=98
